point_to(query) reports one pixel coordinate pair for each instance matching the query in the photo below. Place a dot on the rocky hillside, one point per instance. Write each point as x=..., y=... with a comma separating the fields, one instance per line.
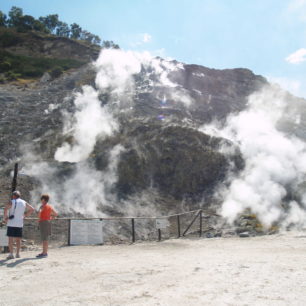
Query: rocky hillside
x=170, y=155
x=147, y=152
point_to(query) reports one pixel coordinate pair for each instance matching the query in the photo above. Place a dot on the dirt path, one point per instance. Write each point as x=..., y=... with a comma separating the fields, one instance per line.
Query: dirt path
x=267, y=270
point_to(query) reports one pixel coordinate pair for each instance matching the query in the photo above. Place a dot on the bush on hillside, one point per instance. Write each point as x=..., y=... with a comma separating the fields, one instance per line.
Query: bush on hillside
x=9, y=39
x=56, y=72
x=32, y=67
x=11, y=76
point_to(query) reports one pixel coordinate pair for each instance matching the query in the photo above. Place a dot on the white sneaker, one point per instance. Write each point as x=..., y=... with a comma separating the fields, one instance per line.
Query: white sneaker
x=11, y=256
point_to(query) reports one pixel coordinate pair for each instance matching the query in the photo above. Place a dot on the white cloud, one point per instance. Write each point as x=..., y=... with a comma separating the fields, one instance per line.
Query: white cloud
x=146, y=38
x=140, y=39
x=297, y=4
x=297, y=57
x=298, y=9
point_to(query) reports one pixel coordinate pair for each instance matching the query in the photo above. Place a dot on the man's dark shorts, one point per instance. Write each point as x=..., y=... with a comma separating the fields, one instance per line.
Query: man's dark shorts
x=14, y=232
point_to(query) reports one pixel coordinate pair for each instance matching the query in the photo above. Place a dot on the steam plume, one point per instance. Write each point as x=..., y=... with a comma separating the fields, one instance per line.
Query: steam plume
x=275, y=160
x=89, y=122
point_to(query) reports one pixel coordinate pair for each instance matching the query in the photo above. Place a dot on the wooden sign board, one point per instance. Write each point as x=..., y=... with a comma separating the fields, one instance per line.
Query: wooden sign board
x=85, y=232
x=162, y=223
x=3, y=237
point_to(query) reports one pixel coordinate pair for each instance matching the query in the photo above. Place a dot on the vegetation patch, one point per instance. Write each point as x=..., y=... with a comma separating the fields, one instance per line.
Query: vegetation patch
x=9, y=38
x=14, y=66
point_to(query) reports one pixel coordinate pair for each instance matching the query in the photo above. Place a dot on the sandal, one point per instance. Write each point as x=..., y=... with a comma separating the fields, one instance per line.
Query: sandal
x=41, y=255
x=11, y=256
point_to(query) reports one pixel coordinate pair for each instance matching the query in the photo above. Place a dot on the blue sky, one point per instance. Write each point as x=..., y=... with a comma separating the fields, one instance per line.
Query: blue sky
x=266, y=36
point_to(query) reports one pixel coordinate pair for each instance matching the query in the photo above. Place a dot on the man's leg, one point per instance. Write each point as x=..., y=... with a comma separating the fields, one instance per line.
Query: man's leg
x=45, y=247
x=11, y=244
x=18, y=244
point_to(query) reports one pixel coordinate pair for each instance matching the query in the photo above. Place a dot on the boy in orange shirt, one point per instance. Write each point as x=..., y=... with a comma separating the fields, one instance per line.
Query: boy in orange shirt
x=46, y=214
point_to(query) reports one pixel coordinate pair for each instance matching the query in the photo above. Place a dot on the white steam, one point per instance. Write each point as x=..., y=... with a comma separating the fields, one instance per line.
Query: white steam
x=86, y=190
x=115, y=70
x=89, y=122
x=275, y=161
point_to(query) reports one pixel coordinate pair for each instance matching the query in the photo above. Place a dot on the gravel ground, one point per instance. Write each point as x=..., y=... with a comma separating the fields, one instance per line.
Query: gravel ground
x=267, y=270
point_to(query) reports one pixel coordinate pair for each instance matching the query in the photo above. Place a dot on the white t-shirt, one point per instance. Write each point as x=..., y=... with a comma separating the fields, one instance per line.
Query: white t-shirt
x=18, y=213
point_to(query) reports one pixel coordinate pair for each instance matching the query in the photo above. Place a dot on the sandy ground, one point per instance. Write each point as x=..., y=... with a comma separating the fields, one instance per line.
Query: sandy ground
x=268, y=270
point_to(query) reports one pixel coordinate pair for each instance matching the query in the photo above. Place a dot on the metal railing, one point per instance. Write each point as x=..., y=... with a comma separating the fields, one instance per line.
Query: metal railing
x=181, y=224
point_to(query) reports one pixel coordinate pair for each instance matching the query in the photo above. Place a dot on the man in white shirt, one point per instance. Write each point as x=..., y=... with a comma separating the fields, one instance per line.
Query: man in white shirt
x=17, y=209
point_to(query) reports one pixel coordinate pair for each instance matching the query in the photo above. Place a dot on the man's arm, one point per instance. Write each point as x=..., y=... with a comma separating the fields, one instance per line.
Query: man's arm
x=6, y=209
x=29, y=210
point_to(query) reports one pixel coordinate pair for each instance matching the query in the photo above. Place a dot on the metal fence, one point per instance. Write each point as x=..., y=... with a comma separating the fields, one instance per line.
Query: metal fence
x=126, y=229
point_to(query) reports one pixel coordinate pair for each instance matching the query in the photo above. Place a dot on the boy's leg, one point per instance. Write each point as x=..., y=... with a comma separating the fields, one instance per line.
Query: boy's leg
x=45, y=247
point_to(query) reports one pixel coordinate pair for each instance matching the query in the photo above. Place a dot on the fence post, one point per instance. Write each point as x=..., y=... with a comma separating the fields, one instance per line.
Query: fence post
x=178, y=226
x=101, y=219
x=189, y=226
x=133, y=230
x=200, y=214
x=159, y=234
x=14, y=181
x=69, y=231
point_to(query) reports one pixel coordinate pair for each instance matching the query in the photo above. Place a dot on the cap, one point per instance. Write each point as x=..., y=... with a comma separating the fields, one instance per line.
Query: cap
x=16, y=193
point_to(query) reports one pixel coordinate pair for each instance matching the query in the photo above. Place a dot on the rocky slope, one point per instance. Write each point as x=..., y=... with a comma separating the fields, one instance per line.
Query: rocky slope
x=170, y=155
x=156, y=159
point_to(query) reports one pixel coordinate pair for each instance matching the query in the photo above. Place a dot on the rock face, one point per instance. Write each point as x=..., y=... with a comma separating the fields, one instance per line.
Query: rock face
x=33, y=114
x=163, y=148
x=166, y=161
x=217, y=92
x=178, y=161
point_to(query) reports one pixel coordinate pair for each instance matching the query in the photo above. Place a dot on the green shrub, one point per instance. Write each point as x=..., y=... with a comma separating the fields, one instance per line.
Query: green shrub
x=8, y=39
x=5, y=66
x=34, y=67
x=56, y=72
x=11, y=76
x=31, y=72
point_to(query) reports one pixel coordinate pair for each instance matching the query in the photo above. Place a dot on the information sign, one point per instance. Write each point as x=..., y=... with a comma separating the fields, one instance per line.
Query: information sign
x=86, y=232
x=162, y=223
x=3, y=237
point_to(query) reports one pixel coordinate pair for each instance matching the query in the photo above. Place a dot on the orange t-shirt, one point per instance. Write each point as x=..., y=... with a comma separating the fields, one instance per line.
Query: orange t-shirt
x=45, y=213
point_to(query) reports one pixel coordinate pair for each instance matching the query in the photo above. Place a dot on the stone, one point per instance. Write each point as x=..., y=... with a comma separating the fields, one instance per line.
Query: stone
x=244, y=235
x=45, y=78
